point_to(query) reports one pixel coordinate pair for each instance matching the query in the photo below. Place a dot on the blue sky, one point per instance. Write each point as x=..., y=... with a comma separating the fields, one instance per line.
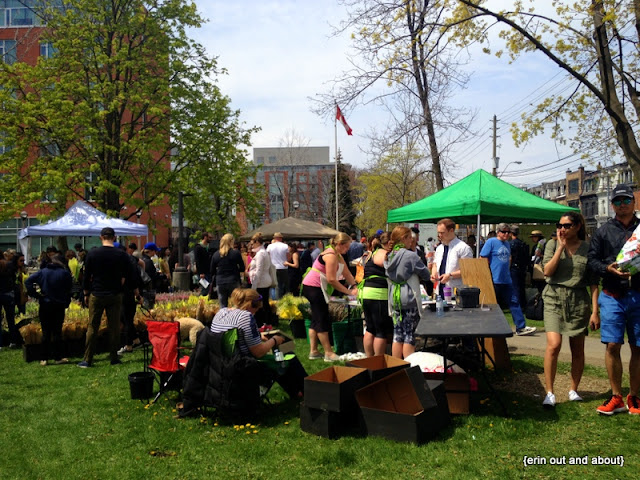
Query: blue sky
x=278, y=53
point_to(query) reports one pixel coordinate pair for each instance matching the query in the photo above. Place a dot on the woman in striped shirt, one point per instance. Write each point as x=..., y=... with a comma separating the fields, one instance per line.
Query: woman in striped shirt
x=246, y=302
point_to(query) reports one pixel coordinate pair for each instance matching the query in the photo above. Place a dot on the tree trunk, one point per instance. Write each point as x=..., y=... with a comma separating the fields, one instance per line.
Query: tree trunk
x=433, y=146
x=624, y=131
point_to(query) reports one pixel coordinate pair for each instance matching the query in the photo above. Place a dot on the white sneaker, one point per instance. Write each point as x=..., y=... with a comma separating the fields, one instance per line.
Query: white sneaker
x=574, y=397
x=526, y=331
x=549, y=401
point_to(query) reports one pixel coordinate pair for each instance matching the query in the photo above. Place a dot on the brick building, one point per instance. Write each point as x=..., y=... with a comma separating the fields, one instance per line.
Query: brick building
x=20, y=30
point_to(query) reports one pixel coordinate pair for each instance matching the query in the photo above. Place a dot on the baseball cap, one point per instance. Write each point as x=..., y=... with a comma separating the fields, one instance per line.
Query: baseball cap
x=151, y=246
x=622, y=190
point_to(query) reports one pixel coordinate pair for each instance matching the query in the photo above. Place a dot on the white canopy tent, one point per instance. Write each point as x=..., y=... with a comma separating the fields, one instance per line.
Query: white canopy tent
x=81, y=220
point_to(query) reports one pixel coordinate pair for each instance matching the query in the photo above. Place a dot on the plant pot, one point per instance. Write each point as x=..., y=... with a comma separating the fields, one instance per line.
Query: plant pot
x=141, y=385
x=298, y=329
x=307, y=325
x=33, y=352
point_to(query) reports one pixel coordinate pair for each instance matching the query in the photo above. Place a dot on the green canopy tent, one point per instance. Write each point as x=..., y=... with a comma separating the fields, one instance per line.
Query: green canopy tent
x=480, y=197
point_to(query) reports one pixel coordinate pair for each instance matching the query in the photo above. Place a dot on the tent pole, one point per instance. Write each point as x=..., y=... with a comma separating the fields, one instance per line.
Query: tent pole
x=335, y=134
x=478, y=237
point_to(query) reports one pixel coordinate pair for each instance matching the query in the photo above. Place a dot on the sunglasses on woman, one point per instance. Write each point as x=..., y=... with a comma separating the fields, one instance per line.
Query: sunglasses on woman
x=622, y=201
x=566, y=226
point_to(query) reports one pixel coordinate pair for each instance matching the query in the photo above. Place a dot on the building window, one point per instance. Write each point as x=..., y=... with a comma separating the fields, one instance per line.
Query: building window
x=272, y=159
x=50, y=150
x=18, y=13
x=574, y=187
x=46, y=49
x=89, y=190
x=260, y=161
x=588, y=209
x=8, y=51
x=3, y=147
x=3, y=178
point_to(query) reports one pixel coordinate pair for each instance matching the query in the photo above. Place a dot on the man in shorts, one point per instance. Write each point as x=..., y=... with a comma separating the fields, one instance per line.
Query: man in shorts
x=619, y=301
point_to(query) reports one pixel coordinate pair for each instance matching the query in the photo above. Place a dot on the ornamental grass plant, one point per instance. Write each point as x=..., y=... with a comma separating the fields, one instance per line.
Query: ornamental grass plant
x=62, y=422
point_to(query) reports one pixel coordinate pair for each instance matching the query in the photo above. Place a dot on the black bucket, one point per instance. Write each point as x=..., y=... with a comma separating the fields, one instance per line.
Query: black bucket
x=298, y=329
x=141, y=384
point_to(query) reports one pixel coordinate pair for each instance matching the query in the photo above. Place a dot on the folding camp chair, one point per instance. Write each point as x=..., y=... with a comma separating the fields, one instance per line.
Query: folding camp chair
x=230, y=344
x=166, y=361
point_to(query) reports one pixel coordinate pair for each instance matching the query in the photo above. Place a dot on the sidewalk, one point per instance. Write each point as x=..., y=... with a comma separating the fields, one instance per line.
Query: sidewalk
x=536, y=344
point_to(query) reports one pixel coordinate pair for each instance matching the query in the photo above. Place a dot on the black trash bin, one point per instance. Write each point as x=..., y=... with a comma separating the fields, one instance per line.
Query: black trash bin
x=141, y=384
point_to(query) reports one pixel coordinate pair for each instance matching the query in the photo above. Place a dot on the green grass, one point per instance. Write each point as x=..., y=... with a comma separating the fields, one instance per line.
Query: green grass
x=62, y=422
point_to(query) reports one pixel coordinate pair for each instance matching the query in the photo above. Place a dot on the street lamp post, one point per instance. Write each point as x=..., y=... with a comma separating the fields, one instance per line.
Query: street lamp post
x=181, y=280
x=296, y=205
x=517, y=162
x=24, y=216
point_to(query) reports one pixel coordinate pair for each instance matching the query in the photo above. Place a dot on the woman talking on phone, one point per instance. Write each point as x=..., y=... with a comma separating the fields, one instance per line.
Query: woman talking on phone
x=570, y=301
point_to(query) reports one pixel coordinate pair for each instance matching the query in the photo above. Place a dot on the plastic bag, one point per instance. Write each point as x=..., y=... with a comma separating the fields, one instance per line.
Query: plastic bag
x=628, y=259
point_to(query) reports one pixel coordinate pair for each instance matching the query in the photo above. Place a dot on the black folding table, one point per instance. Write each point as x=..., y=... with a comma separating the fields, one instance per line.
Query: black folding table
x=476, y=323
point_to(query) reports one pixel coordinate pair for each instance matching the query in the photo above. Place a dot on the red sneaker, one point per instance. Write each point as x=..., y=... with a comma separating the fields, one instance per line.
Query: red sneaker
x=613, y=405
x=633, y=404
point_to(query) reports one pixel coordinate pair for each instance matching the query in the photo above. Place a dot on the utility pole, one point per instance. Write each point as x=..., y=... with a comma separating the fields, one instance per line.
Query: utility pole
x=495, y=143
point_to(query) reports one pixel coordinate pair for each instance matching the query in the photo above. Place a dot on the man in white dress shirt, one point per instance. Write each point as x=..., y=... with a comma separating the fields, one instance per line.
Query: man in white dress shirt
x=446, y=265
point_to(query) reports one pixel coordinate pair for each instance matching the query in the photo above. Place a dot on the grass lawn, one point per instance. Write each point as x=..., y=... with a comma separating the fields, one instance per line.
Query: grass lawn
x=62, y=422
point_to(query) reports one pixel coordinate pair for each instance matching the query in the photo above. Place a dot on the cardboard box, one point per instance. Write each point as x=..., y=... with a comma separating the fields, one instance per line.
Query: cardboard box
x=439, y=393
x=379, y=366
x=400, y=407
x=333, y=389
x=457, y=387
x=322, y=422
x=287, y=346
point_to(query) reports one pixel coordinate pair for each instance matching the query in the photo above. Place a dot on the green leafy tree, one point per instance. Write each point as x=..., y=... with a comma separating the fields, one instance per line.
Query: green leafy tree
x=596, y=43
x=124, y=89
x=397, y=178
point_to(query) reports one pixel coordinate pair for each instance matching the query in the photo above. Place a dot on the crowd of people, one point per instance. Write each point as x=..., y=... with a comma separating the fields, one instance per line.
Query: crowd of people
x=388, y=273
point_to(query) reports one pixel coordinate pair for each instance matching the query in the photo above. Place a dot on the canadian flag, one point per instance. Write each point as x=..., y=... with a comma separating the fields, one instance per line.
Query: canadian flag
x=343, y=120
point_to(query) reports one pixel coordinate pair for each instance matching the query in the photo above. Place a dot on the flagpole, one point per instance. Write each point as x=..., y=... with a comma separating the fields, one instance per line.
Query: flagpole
x=335, y=133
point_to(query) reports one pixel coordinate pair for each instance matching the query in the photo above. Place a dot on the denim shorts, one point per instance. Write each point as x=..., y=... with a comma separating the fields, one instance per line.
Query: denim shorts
x=618, y=315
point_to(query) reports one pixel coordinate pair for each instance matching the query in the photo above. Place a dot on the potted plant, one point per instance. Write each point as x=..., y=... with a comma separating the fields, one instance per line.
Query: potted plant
x=293, y=309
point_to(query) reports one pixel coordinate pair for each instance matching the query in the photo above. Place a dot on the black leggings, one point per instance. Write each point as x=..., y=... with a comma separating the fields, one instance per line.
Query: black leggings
x=320, y=320
x=264, y=316
x=51, y=319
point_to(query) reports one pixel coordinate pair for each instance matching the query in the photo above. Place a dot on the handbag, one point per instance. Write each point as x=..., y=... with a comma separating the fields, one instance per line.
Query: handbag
x=538, y=272
x=146, y=279
x=274, y=275
x=535, y=308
